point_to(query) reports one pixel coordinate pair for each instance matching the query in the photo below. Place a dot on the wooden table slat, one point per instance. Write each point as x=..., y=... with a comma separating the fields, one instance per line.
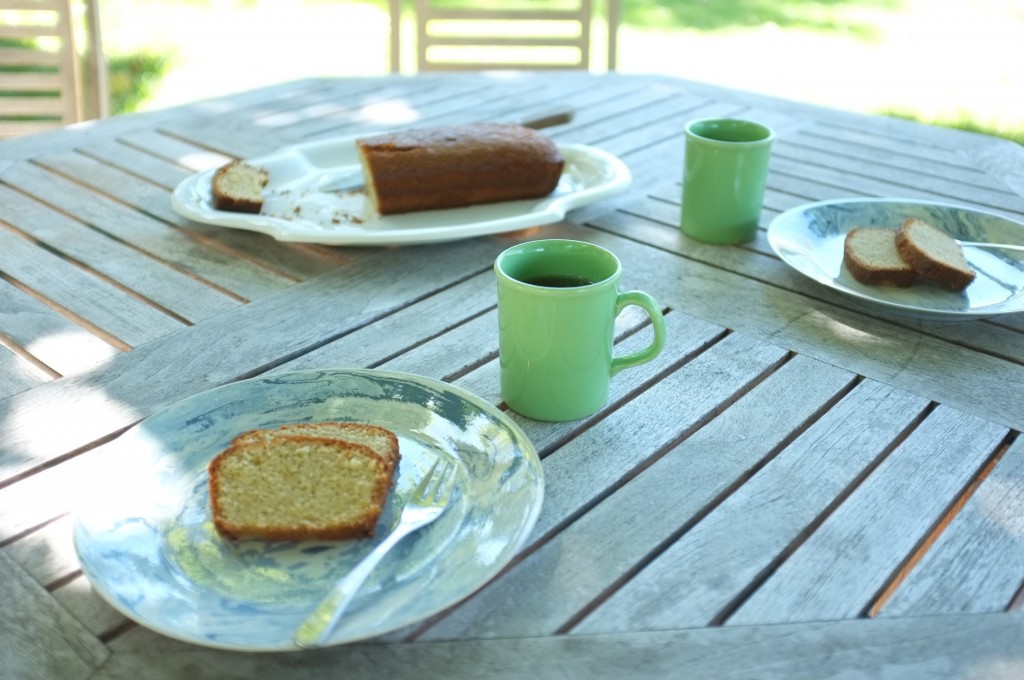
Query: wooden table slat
x=47, y=335
x=874, y=171
x=113, y=311
x=977, y=563
x=878, y=526
x=983, y=646
x=40, y=640
x=168, y=288
x=714, y=563
x=237, y=248
x=544, y=592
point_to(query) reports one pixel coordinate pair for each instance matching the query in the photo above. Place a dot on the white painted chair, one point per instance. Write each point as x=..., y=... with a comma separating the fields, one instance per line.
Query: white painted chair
x=528, y=34
x=46, y=78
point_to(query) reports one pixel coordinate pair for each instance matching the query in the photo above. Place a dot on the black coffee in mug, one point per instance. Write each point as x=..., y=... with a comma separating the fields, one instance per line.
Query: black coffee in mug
x=558, y=281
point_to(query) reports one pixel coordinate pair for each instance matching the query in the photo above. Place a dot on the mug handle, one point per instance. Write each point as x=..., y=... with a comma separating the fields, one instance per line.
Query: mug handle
x=645, y=301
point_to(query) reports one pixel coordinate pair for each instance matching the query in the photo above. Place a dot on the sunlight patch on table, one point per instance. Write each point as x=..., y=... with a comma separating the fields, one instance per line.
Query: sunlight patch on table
x=1000, y=502
x=202, y=160
x=67, y=354
x=72, y=414
x=392, y=112
x=995, y=669
x=851, y=333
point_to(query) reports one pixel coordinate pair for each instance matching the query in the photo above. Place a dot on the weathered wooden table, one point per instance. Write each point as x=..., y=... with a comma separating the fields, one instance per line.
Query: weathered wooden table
x=799, y=486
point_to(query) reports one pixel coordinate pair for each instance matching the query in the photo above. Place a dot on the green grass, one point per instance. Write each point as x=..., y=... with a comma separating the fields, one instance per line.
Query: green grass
x=967, y=124
x=133, y=78
x=718, y=15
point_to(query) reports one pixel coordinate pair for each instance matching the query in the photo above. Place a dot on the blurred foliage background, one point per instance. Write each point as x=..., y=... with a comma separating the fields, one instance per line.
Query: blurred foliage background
x=945, y=62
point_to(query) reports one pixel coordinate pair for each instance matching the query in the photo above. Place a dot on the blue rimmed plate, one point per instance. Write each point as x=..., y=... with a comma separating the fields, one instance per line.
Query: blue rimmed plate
x=810, y=239
x=146, y=541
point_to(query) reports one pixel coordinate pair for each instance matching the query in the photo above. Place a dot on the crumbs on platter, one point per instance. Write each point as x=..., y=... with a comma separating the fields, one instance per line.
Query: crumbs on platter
x=324, y=209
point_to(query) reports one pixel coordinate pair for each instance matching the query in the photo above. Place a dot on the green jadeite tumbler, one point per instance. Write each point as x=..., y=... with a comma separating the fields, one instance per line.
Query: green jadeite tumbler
x=724, y=174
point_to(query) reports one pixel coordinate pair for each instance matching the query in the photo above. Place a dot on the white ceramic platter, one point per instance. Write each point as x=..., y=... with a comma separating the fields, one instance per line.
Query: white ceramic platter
x=297, y=209
x=146, y=541
x=810, y=239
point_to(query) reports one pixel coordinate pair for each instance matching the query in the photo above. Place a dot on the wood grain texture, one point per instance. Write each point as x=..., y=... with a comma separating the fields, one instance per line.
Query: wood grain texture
x=983, y=646
x=156, y=171
x=589, y=557
x=600, y=457
x=47, y=554
x=114, y=312
x=842, y=566
x=82, y=601
x=295, y=262
x=857, y=339
x=403, y=331
x=113, y=260
x=291, y=322
x=50, y=337
x=40, y=640
x=143, y=232
x=977, y=563
x=19, y=374
x=712, y=564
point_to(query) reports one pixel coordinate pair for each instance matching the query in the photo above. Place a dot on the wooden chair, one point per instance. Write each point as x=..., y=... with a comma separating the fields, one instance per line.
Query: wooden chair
x=45, y=81
x=528, y=34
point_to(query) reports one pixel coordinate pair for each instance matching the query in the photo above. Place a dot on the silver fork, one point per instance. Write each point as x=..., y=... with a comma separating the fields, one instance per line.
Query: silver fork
x=426, y=503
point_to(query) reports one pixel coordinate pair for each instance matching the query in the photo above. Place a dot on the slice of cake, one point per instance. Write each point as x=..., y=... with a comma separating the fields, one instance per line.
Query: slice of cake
x=383, y=442
x=871, y=257
x=934, y=255
x=238, y=187
x=457, y=165
x=276, y=485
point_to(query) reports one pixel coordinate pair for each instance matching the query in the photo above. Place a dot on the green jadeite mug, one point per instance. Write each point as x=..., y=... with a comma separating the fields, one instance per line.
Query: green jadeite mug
x=557, y=304
x=724, y=174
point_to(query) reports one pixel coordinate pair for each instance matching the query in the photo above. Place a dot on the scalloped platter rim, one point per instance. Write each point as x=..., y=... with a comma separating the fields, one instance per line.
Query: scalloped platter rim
x=297, y=209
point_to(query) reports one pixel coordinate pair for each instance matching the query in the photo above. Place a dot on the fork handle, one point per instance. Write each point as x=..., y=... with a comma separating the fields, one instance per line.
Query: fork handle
x=314, y=631
x=993, y=246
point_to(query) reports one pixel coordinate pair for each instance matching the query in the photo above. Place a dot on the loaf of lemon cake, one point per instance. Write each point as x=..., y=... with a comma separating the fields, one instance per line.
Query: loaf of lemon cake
x=457, y=165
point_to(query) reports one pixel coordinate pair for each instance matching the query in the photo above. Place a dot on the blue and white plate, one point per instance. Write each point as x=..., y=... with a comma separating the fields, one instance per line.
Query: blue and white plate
x=810, y=239
x=147, y=543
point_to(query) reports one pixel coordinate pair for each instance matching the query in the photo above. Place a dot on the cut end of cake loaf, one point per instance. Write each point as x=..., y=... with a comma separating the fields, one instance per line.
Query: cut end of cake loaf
x=381, y=441
x=457, y=165
x=238, y=187
x=934, y=255
x=871, y=257
x=276, y=485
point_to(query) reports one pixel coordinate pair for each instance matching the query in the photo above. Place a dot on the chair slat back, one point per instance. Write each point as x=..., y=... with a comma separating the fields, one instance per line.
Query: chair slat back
x=42, y=84
x=529, y=34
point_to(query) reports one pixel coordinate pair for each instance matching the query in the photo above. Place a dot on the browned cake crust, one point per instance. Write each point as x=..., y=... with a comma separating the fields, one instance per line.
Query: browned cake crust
x=456, y=166
x=934, y=255
x=236, y=187
x=383, y=442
